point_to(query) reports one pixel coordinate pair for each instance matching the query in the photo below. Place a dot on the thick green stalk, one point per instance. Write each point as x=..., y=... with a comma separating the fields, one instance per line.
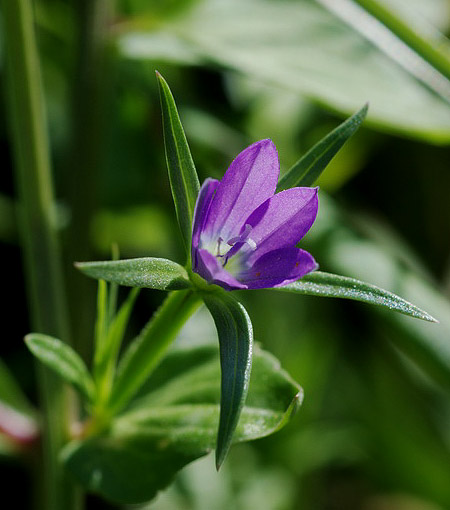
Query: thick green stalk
x=147, y=351
x=40, y=244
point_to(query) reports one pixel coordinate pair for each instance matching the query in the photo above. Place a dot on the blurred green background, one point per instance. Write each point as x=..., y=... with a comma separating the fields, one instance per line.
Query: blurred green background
x=374, y=430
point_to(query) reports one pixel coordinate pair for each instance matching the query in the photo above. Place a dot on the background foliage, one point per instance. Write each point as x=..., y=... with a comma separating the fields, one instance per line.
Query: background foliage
x=373, y=430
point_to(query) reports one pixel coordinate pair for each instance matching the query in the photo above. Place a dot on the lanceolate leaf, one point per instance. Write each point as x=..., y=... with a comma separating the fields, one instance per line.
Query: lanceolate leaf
x=175, y=422
x=106, y=356
x=63, y=360
x=331, y=285
x=235, y=339
x=149, y=272
x=182, y=174
x=309, y=167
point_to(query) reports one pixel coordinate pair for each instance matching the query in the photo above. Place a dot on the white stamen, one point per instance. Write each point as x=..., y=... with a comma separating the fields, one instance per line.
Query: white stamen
x=251, y=243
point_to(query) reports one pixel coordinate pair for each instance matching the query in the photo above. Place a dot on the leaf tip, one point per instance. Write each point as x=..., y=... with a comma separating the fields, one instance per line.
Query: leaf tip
x=220, y=457
x=361, y=114
x=419, y=313
x=160, y=78
x=430, y=318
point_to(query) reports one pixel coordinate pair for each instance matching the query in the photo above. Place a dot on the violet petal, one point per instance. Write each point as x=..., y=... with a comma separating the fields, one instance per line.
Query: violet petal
x=282, y=220
x=209, y=268
x=249, y=181
x=202, y=207
x=278, y=267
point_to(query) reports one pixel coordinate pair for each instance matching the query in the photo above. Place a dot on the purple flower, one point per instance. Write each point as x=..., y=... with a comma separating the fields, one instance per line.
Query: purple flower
x=244, y=235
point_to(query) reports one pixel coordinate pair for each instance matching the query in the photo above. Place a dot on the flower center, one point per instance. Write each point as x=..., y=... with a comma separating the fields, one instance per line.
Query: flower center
x=232, y=253
x=239, y=244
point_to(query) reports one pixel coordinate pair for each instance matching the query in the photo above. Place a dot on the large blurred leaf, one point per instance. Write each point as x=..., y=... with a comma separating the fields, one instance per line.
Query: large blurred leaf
x=235, y=332
x=147, y=272
x=302, y=46
x=176, y=422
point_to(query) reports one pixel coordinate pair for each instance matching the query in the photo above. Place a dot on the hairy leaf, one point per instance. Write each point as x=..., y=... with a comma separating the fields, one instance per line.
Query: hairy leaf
x=63, y=360
x=332, y=285
x=148, y=272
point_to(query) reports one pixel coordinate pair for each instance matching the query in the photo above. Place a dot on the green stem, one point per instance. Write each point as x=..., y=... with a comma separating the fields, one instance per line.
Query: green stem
x=434, y=52
x=149, y=348
x=91, y=83
x=40, y=245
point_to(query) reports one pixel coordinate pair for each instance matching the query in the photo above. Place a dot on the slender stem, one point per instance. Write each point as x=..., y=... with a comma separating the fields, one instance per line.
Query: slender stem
x=91, y=83
x=40, y=244
x=435, y=52
x=423, y=56
x=149, y=348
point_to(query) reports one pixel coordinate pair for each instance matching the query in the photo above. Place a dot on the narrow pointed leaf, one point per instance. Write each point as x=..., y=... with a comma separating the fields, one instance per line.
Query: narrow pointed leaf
x=106, y=357
x=235, y=339
x=182, y=173
x=148, y=272
x=309, y=167
x=332, y=285
x=63, y=360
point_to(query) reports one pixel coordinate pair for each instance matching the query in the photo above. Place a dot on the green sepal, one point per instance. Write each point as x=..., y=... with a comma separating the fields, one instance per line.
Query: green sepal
x=309, y=167
x=147, y=272
x=63, y=360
